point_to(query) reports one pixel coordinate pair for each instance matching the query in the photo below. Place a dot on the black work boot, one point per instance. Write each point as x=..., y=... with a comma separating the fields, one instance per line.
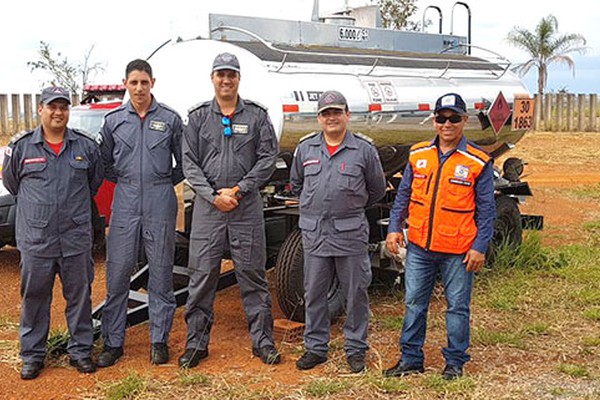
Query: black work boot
x=357, y=363
x=268, y=354
x=109, y=356
x=452, y=372
x=310, y=360
x=403, y=369
x=31, y=370
x=83, y=365
x=192, y=357
x=159, y=353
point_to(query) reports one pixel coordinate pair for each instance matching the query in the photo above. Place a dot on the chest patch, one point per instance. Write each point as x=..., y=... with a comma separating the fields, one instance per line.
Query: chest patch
x=36, y=160
x=157, y=126
x=421, y=163
x=460, y=182
x=419, y=176
x=310, y=162
x=240, y=129
x=461, y=172
x=8, y=151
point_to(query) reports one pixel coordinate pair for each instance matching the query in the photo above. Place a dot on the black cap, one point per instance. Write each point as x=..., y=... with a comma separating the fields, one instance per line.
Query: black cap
x=451, y=101
x=54, y=93
x=332, y=99
x=226, y=61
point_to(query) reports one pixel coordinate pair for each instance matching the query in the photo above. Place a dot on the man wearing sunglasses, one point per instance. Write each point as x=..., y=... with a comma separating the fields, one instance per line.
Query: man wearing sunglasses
x=447, y=195
x=229, y=153
x=338, y=175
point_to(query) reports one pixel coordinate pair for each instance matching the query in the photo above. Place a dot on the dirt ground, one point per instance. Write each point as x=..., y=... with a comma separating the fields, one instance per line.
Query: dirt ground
x=558, y=163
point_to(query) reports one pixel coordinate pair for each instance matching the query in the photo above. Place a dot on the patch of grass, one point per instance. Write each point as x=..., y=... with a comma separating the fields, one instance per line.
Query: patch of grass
x=588, y=191
x=486, y=337
x=194, y=379
x=8, y=324
x=535, y=328
x=531, y=255
x=325, y=387
x=591, y=341
x=57, y=342
x=574, y=370
x=463, y=385
x=392, y=322
x=592, y=313
x=387, y=385
x=131, y=387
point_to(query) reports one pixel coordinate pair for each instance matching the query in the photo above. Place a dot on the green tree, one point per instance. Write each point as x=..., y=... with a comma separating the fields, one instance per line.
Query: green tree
x=544, y=47
x=395, y=14
x=70, y=75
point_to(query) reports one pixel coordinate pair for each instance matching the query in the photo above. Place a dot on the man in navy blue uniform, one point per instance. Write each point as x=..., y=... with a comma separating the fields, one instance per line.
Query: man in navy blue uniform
x=338, y=175
x=141, y=141
x=54, y=171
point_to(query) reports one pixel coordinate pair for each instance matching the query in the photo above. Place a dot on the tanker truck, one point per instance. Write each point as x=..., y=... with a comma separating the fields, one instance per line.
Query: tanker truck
x=391, y=80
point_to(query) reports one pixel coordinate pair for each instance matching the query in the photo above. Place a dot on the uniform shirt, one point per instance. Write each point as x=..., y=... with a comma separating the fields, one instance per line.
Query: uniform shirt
x=143, y=156
x=485, y=213
x=54, y=192
x=212, y=161
x=334, y=192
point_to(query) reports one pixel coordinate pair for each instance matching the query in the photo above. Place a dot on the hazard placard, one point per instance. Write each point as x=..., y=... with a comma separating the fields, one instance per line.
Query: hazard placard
x=499, y=113
x=522, y=114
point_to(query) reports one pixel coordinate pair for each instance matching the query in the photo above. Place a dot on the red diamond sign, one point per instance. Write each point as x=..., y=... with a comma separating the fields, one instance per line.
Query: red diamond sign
x=498, y=113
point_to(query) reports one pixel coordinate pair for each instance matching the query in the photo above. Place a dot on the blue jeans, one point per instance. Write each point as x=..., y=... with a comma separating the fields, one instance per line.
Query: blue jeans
x=421, y=272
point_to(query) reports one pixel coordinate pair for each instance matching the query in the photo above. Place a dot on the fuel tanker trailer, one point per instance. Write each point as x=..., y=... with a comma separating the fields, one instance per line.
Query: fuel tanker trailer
x=391, y=80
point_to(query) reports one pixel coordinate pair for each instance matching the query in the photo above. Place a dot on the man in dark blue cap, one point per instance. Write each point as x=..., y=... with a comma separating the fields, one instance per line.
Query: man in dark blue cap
x=54, y=171
x=229, y=153
x=338, y=175
x=447, y=196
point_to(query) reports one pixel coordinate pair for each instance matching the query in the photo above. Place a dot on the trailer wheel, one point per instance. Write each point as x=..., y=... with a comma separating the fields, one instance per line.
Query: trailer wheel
x=289, y=276
x=508, y=230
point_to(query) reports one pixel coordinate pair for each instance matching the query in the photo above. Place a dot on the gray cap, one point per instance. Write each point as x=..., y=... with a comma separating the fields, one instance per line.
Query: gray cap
x=226, y=61
x=55, y=93
x=452, y=102
x=332, y=99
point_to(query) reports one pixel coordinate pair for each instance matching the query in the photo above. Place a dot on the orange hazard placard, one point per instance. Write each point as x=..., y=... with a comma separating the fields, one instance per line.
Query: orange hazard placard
x=522, y=113
x=499, y=113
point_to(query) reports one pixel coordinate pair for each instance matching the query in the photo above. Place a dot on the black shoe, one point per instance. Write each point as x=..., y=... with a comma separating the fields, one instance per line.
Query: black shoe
x=109, y=356
x=357, y=363
x=310, y=360
x=452, y=372
x=402, y=369
x=83, y=365
x=268, y=354
x=31, y=370
x=192, y=357
x=159, y=353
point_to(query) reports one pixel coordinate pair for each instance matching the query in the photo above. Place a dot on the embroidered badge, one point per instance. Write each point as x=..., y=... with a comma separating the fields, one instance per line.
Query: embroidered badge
x=8, y=151
x=37, y=160
x=310, y=162
x=158, y=126
x=240, y=129
x=461, y=172
x=421, y=163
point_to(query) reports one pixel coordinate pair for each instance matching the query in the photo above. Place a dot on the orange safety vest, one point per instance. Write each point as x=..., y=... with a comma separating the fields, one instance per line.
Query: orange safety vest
x=442, y=201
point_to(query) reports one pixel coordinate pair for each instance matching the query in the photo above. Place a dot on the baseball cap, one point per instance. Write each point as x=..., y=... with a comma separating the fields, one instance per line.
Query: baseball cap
x=451, y=101
x=226, y=61
x=331, y=99
x=52, y=93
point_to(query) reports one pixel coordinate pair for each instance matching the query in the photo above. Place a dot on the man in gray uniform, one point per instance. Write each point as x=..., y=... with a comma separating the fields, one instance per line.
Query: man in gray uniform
x=229, y=152
x=54, y=171
x=338, y=174
x=141, y=139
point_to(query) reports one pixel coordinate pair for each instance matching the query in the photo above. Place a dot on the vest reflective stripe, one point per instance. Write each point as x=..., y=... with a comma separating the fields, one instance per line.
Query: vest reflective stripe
x=442, y=202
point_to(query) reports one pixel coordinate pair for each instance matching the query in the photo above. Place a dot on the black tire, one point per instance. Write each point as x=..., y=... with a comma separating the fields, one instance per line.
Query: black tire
x=508, y=230
x=289, y=277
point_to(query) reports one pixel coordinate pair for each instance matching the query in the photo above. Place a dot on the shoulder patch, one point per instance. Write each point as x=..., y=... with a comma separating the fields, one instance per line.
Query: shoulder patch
x=96, y=137
x=255, y=103
x=306, y=137
x=364, y=137
x=198, y=105
x=20, y=136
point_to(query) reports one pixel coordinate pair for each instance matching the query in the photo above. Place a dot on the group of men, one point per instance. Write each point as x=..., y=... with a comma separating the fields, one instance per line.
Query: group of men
x=227, y=151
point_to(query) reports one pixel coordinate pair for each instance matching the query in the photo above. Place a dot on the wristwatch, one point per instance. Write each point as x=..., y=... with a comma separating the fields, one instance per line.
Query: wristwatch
x=236, y=192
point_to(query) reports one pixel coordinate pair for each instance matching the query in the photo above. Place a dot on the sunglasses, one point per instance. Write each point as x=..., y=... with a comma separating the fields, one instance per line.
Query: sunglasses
x=454, y=119
x=226, y=122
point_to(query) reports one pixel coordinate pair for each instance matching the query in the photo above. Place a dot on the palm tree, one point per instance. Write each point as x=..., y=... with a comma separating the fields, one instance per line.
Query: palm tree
x=545, y=46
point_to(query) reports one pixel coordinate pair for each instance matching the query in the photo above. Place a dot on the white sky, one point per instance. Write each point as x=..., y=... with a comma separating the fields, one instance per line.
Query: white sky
x=124, y=30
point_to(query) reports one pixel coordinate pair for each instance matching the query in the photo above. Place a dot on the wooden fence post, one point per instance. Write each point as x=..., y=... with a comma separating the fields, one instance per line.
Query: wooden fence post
x=547, y=111
x=581, y=111
x=537, y=113
x=560, y=98
x=16, y=114
x=28, y=111
x=592, y=126
x=38, y=99
x=3, y=114
x=75, y=99
x=570, y=101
